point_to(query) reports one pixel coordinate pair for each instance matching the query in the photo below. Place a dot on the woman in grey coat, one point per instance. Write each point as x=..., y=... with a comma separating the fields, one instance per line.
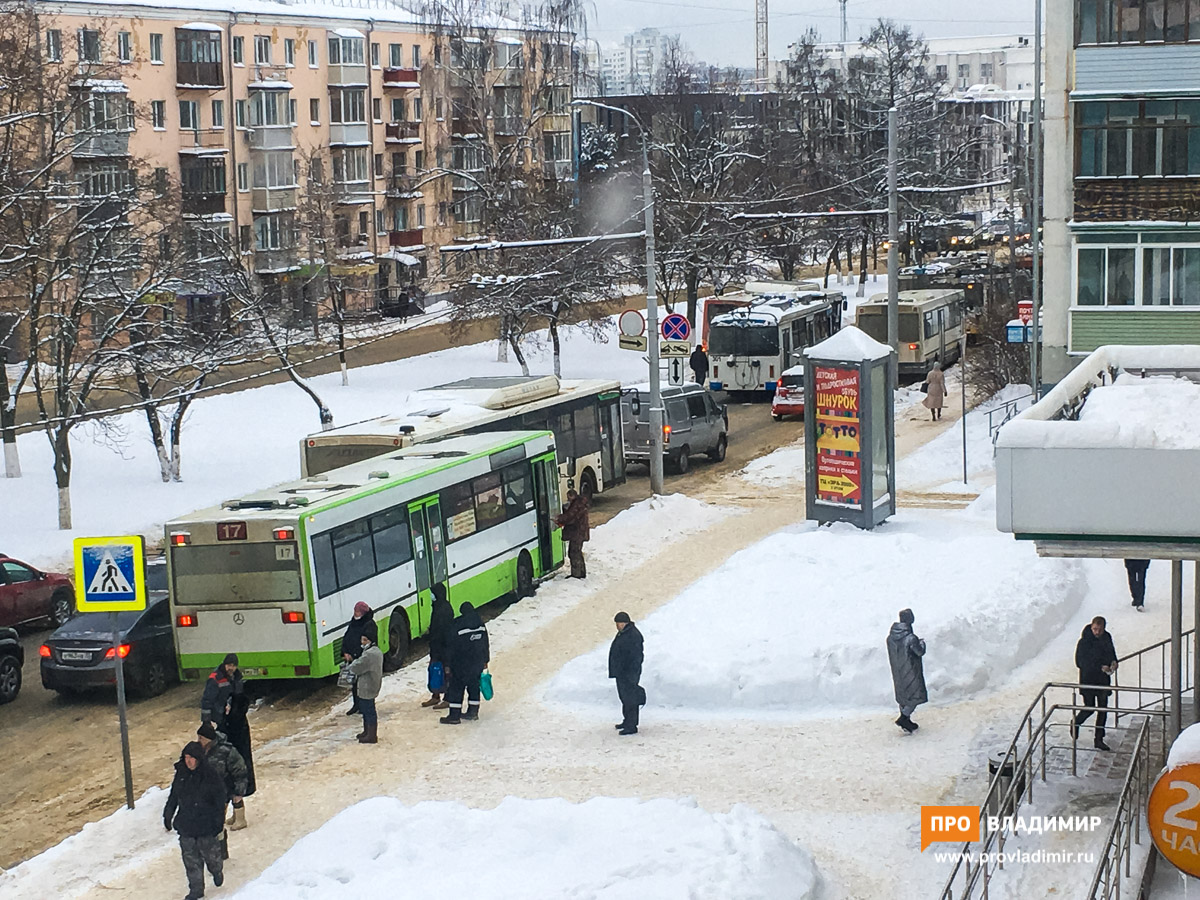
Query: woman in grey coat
x=905, y=650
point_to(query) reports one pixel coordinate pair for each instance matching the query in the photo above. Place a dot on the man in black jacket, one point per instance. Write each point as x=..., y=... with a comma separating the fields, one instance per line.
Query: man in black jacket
x=196, y=810
x=1097, y=660
x=223, y=682
x=469, y=656
x=625, y=665
x=441, y=632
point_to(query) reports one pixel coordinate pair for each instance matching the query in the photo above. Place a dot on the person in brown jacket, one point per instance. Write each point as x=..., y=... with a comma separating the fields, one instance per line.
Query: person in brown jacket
x=574, y=522
x=935, y=391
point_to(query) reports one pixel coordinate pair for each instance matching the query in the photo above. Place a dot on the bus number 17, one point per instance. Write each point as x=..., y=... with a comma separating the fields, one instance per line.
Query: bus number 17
x=231, y=531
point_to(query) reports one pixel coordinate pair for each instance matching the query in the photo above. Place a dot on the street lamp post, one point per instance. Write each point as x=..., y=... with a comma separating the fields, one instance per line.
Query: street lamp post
x=656, y=404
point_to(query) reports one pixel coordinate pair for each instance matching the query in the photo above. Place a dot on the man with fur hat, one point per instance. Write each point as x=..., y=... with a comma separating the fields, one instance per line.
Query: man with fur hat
x=905, y=650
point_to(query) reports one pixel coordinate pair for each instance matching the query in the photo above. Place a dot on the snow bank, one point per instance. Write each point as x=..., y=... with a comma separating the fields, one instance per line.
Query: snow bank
x=1186, y=748
x=797, y=623
x=851, y=343
x=778, y=468
x=604, y=849
x=111, y=847
x=1158, y=412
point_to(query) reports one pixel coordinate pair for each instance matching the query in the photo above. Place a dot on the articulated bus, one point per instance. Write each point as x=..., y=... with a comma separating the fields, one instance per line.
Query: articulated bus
x=274, y=575
x=749, y=348
x=585, y=417
x=931, y=327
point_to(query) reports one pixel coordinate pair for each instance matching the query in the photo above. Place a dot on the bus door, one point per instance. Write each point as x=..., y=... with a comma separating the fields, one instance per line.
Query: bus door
x=942, y=315
x=429, y=555
x=545, y=486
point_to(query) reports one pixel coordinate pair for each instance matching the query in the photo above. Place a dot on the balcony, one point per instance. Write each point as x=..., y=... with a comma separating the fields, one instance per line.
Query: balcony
x=509, y=126
x=99, y=144
x=356, y=133
x=273, y=199
x=414, y=237
x=347, y=75
x=204, y=143
x=513, y=76
x=400, y=78
x=558, y=169
x=1137, y=199
x=270, y=137
x=462, y=126
x=101, y=211
x=203, y=204
x=270, y=78
x=403, y=132
x=352, y=192
x=403, y=187
x=274, y=261
x=199, y=76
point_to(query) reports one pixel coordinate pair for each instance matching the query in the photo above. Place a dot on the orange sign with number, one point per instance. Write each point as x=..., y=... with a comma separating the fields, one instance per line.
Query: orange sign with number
x=1173, y=814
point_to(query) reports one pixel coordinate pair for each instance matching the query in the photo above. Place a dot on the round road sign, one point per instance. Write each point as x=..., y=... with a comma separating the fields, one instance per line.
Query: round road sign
x=676, y=327
x=632, y=323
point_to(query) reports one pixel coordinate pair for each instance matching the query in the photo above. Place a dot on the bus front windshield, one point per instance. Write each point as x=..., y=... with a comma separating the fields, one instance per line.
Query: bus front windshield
x=743, y=340
x=875, y=325
x=235, y=573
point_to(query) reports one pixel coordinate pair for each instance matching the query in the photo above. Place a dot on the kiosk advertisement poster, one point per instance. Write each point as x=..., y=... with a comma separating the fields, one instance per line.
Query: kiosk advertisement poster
x=839, y=450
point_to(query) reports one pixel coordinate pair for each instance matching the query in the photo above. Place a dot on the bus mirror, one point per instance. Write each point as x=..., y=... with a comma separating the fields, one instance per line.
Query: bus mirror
x=845, y=304
x=635, y=403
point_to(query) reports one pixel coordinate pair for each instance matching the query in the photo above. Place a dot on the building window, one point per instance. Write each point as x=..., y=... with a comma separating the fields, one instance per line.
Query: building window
x=380, y=225
x=396, y=55
x=239, y=113
x=400, y=218
x=262, y=49
x=943, y=73
x=397, y=109
x=416, y=57
x=964, y=74
x=313, y=59
x=558, y=146
x=269, y=108
x=314, y=111
x=289, y=52
x=156, y=49
x=239, y=51
x=1142, y=138
x=375, y=55
x=985, y=72
x=438, y=109
x=124, y=47
x=348, y=106
x=377, y=109
x=54, y=45
x=189, y=115
x=378, y=165
x=420, y=216
x=346, y=51
x=270, y=233
x=130, y=116
x=158, y=114
x=1136, y=21
x=351, y=164
x=1151, y=273
x=89, y=45
x=218, y=114
x=244, y=238
x=418, y=105
x=243, y=176
x=419, y=160
x=274, y=169
x=399, y=163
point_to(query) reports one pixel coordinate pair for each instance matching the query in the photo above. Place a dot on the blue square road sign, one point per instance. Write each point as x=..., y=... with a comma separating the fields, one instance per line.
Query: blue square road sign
x=110, y=573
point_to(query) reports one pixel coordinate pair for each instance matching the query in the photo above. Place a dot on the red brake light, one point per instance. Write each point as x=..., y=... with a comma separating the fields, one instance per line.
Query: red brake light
x=293, y=618
x=179, y=538
x=312, y=443
x=185, y=621
x=123, y=650
x=44, y=651
x=284, y=534
x=912, y=346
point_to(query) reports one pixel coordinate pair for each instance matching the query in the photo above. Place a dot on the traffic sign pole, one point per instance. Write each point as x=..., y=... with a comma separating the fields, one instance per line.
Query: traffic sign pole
x=120, y=665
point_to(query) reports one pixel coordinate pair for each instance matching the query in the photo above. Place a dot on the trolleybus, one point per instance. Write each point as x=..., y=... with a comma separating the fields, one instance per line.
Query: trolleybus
x=930, y=326
x=585, y=417
x=274, y=575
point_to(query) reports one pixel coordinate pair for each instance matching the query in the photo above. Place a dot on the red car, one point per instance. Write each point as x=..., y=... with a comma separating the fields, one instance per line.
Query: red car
x=28, y=595
x=789, y=394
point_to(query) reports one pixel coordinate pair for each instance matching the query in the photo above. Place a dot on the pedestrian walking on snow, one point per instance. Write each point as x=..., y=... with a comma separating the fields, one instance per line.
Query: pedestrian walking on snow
x=227, y=762
x=223, y=682
x=576, y=531
x=362, y=623
x=625, y=665
x=368, y=676
x=699, y=364
x=469, y=656
x=196, y=811
x=441, y=634
x=1135, y=571
x=237, y=731
x=905, y=651
x=1097, y=661
x=935, y=391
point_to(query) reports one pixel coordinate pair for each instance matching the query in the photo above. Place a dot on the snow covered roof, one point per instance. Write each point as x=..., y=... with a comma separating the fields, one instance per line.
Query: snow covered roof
x=101, y=86
x=850, y=344
x=348, y=33
x=405, y=259
x=200, y=26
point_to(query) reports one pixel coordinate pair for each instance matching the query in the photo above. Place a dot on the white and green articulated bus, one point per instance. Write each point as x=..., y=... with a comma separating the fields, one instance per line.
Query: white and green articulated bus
x=274, y=576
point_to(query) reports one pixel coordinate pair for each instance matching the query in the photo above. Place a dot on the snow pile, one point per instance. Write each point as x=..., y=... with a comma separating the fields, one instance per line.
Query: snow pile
x=778, y=468
x=604, y=849
x=851, y=343
x=1159, y=412
x=797, y=622
x=120, y=843
x=1186, y=748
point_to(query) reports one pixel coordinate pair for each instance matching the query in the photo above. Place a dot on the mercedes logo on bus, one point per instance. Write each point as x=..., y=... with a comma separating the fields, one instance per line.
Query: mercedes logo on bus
x=239, y=619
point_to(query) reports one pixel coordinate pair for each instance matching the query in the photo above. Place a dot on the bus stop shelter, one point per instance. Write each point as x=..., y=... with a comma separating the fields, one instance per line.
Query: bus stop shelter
x=1107, y=465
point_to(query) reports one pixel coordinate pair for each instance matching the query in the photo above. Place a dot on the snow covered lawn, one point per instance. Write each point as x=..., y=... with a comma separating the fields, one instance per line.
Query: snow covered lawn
x=606, y=849
x=796, y=623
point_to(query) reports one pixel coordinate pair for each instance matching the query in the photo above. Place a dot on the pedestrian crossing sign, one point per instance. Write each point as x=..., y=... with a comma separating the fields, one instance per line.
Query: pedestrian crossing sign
x=110, y=574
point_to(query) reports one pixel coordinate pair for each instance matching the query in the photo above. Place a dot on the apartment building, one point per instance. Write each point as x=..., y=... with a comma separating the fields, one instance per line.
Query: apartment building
x=1122, y=177
x=249, y=108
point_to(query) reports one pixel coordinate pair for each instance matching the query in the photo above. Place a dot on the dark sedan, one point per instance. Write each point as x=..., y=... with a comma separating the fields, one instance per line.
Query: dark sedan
x=79, y=655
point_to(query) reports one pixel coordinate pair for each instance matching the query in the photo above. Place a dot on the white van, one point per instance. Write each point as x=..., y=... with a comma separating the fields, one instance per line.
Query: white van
x=693, y=423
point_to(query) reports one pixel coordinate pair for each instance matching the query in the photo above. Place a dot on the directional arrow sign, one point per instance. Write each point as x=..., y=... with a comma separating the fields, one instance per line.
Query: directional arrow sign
x=675, y=372
x=674, y=348
x=633, y=342
x=836, y=484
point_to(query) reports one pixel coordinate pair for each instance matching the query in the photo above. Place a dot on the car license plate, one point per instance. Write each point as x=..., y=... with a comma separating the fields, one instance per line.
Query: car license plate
x=252, y=671
x=76, y=655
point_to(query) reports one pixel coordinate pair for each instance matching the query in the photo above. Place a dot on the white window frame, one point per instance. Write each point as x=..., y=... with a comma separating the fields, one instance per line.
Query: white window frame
x=53, y=45
x=289, y=52
x=158, y=114
x=1139, y=249
x=124, y=47
x=314, y=111
x=218, y=114
x=262, y=50
x=243, y=177
x=189, y=115
x=314, y=55
x=374, y=55
x=239, y=50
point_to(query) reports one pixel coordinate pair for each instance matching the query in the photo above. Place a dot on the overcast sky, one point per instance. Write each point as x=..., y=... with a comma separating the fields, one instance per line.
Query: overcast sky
x=721, y=32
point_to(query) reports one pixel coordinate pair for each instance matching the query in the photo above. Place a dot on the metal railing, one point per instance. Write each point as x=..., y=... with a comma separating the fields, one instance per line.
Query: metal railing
x=1006, y=411
x=1126, y=829
x=1144, y=661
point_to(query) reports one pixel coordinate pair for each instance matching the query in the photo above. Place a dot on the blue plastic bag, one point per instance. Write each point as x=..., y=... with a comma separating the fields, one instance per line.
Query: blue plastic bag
x=485, y=685
x=437, y=678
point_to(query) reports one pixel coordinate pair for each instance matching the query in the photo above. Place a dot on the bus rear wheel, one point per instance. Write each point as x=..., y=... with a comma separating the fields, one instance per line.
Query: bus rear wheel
x=524, y=576
x=399, y=636
x=587, y=484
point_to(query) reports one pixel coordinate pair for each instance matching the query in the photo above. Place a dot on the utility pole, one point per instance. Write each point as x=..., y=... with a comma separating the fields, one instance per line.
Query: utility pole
x=760, y=44
x=1036, y=216
x=656, y=404
x=893, y=312
x=845, y=30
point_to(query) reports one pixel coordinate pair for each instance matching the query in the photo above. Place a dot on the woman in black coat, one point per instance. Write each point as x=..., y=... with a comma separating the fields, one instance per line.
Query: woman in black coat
x=362, y=623
x=196, y=810
x=441, y=631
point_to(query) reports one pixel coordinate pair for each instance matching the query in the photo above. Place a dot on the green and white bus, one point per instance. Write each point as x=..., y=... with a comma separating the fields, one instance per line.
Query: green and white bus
x=274, y=576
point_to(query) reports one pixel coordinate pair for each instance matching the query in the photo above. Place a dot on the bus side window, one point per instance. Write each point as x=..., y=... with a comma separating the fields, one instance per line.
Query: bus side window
x=564, y=437
x=587, y=431
x=353, y=553
x=489, y=505
x=518, y=493
x=389, y=530
x=322, y=546
x=458, y=509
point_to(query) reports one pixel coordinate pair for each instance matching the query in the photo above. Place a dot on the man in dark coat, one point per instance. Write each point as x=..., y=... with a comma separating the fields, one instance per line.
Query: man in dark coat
x=1097, y=660
x=576, y=531
x=441, y=631
x=905, y=650
x=699, y=364
x=469, y=656
x=625, y=665
x=223, y=682
x=362, y=623
x=237, y=730
x=227, y=762
x=196, y=810
x=1135, y=570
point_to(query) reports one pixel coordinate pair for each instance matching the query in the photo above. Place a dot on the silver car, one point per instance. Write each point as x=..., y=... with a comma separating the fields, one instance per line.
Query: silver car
x=693, y=423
